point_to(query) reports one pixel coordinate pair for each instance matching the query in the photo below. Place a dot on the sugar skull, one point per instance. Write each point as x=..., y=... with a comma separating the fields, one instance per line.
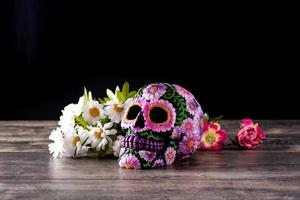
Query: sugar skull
x=163, y=124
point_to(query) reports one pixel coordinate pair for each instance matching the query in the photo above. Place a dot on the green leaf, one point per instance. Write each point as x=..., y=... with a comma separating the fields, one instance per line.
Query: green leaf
x=101, y=100
x=147, y=165
x=81, y=122
x=150, y=135
x=86, y=96
x=105, y=120
x=136, y=152
x=85, y=92
x=120, y=96
x=206, y=117
x=125, y=89
x=173, y=144
x=106, y=99
x=235, y=141
x=131, y=94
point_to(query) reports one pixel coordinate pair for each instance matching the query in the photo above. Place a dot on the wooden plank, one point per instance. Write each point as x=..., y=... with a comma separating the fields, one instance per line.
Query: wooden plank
x=272, y=171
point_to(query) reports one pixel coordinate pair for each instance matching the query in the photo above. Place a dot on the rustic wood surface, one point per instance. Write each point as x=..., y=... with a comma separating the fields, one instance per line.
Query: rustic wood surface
x=272, y=171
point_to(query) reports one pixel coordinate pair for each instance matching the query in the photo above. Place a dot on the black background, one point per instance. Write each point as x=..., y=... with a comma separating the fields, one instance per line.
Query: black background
x=239, y=63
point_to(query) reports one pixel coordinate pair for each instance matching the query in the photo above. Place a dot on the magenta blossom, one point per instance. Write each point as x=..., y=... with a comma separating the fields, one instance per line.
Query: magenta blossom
x=250, y=134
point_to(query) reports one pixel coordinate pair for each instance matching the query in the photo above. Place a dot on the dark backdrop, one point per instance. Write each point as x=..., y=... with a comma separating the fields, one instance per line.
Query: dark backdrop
x=237, y=63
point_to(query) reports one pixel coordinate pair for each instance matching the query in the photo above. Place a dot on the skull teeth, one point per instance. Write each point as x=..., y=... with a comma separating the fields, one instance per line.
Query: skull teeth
x=135, y=142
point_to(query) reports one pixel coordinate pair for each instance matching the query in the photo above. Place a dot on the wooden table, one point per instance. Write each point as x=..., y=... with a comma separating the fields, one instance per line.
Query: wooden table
x=272, y=171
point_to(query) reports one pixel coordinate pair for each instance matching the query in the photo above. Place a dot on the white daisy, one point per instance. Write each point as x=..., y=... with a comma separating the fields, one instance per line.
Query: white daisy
x=76, y=143
x=57, y=147
x=93, y=112
x=99, y=136
x=117, y=145
x=79, y=106
x=67, y=119
x=70, y=112
x=115, y=109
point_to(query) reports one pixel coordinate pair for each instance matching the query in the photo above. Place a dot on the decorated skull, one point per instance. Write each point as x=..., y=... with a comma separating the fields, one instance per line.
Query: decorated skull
x=163, y=123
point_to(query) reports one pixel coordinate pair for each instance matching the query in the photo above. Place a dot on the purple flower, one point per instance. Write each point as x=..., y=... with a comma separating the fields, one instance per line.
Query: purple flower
x=189, y=144
x=193, y=106
x=147, y=155
x=183, y=92
x=129, y=161
x=150, y=121
x=199, y=125
x=188, y=126
x=176, y=133
x=154, y=91
x=158, y=163
x=170, y=155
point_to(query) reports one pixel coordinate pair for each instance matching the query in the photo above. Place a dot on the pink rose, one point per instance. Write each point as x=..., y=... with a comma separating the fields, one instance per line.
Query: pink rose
x=250, y=135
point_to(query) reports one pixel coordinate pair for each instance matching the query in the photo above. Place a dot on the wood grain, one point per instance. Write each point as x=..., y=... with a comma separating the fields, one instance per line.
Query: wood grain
x=272, y=171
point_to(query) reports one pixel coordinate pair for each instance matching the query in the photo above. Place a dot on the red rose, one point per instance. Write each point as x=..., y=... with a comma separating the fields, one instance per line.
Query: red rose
x=250, y=135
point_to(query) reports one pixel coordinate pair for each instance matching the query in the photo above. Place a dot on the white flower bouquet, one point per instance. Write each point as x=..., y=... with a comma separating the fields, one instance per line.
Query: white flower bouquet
x=92, y=125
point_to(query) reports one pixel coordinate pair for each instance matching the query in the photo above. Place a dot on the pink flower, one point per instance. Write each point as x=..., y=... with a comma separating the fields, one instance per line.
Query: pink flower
x=154, y=91
x=170, y=155
x=193, y=106
x=129, y=161
x=158, y=163
x=176, y=133
x=250, y=134
x=148, y=156
x=188, y=126
x=189, y=144
x=183, y=92
x=212, y=137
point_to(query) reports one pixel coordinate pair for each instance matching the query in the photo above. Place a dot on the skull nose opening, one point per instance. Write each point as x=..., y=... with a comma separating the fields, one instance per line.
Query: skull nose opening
x=140, y=122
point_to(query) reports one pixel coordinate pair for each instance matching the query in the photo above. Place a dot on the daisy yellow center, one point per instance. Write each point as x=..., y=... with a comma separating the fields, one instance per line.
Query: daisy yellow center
x=94, y=112
x=98, y=133
x=153, y=89
x=149, y=152
x=170, y=155
x=211, y=138
x=118, y=108
x=128, y=166
x=75, y=140
x=190, y=144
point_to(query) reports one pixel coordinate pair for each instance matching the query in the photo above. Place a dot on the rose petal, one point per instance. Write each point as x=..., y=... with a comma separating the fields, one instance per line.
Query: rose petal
x=246, y=122
x=260, y=132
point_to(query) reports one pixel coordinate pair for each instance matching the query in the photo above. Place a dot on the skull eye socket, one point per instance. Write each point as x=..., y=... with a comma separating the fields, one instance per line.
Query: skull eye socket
x=158, y=115
x=133, y=111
